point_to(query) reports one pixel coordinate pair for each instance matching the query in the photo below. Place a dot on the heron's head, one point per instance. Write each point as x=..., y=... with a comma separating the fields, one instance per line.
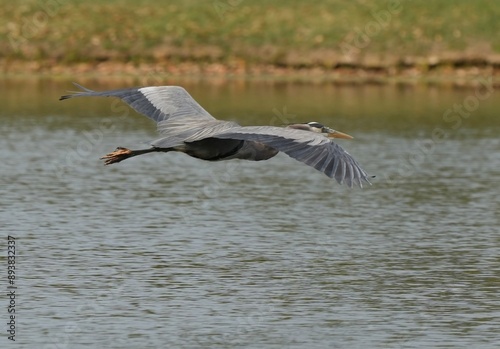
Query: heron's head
x=320, y=128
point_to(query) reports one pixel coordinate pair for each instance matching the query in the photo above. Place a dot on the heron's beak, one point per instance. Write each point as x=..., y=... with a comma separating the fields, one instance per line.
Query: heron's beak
x=337, y=134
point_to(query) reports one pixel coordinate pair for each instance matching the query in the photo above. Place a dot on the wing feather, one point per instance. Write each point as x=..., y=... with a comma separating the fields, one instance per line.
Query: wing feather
x=311, y=148
x=327, y=162
x=331, y=169
x=162, y=104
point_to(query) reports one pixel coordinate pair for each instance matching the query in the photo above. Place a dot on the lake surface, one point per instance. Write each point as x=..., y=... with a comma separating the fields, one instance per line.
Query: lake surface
x=166, y=251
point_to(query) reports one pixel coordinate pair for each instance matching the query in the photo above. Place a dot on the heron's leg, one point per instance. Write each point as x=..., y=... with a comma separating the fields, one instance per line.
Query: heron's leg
x=121, y=154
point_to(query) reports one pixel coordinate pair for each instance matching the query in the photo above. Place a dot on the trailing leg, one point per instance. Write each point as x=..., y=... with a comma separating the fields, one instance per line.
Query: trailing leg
x=121, y=154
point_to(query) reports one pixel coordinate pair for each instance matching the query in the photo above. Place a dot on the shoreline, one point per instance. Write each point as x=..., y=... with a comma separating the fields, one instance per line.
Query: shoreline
x=156, y=73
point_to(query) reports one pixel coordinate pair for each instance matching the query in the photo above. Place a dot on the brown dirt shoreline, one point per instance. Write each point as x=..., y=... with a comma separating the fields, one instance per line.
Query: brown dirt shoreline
x=431, y=70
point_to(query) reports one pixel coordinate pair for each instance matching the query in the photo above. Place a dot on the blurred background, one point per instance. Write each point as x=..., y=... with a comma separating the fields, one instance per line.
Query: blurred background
x=169, y=251
x=331, y=40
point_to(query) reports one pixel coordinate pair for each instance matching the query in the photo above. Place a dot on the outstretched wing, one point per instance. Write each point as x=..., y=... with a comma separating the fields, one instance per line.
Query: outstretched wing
x=160, y=103
x=311, y=148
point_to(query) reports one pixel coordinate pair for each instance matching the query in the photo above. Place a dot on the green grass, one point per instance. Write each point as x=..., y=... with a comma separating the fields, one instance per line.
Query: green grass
x=281, y=32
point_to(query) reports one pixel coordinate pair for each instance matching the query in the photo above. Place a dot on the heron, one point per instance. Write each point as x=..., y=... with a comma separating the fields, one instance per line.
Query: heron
x=186, y=127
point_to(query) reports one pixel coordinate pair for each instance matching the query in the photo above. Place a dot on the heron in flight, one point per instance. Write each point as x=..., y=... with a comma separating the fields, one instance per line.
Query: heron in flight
x=186, y=127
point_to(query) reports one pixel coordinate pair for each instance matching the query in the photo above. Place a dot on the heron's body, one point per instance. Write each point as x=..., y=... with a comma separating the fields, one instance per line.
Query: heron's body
x=215, y=149
x=186, y=127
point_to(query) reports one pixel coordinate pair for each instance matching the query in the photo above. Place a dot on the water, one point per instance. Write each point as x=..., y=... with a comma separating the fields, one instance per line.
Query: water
x=168, y=251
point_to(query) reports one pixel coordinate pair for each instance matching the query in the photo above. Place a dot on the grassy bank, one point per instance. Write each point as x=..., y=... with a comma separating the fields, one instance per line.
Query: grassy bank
x=388, y=37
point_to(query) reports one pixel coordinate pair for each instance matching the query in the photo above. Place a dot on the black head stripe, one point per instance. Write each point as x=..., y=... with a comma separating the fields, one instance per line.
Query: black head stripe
x=315, y=124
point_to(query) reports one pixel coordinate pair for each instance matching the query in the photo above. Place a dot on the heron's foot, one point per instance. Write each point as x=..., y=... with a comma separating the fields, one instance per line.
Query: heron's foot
x=118, y=155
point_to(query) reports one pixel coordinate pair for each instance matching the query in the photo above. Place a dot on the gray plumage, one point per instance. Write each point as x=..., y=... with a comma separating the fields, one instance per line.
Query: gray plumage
x=186, y=127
